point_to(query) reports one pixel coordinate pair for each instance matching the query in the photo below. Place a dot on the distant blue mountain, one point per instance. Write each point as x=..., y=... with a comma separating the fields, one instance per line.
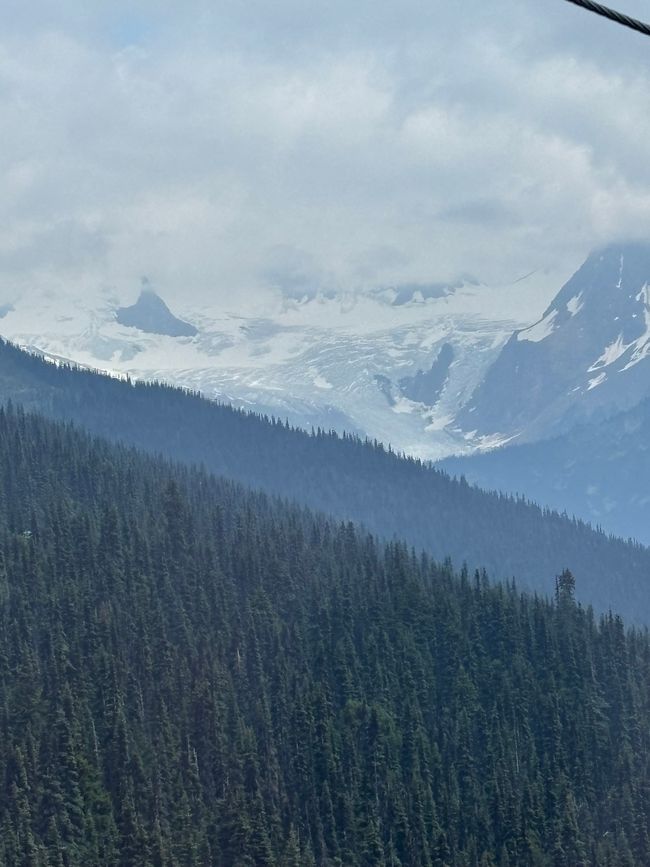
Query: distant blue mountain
x=573, y=391
x=599, y=472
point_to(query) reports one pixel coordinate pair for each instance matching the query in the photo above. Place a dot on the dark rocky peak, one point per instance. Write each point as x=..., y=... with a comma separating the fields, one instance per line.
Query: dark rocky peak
x=152, y=315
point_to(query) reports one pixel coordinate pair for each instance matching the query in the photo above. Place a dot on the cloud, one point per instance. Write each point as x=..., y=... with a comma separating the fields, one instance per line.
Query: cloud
x=229, y=148
x=294, y=272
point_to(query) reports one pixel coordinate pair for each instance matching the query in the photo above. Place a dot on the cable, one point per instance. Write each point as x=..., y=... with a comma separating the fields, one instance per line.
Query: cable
x=613, y=15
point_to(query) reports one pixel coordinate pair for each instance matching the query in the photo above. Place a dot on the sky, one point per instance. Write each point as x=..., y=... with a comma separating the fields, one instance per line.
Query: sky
x=227, y=148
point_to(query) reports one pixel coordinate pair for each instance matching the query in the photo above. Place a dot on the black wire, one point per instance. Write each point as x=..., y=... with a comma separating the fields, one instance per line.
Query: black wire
x=613, y=15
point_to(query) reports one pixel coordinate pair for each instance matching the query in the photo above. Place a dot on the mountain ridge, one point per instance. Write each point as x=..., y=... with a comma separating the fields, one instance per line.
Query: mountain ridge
x=587, y=357
x=346, y=477
x=599, y=472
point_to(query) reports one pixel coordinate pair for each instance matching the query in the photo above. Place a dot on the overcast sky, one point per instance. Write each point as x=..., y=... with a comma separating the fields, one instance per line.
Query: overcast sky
x=227, y=146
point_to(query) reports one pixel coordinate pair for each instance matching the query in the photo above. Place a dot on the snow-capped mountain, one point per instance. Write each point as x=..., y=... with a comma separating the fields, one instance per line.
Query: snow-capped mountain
x=393, y=364
x=432, y=369
x=586, y=358
x=572, y=392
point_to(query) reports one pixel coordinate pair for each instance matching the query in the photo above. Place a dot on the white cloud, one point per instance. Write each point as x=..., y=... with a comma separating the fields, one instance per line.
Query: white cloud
x=223, y=148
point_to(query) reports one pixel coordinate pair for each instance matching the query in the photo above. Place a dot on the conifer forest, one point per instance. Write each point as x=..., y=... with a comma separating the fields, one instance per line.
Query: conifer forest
x=193, y=674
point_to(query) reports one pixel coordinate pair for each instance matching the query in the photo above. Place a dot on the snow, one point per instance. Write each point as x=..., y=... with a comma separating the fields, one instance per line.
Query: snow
x=641, y=346
x=575, y=304
x=488, y=442
x=322, y=360
x=494, y=441
x=404, y=405
x=337, y=359
x=620, y=273
x=314, y=361
x=610, y=354
x=540, y=331
x=596, y=381
x=439, y=422
x=320, y=381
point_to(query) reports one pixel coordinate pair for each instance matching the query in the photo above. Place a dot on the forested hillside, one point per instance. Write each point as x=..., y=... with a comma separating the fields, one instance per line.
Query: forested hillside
x=192, y=675
x=347, y=478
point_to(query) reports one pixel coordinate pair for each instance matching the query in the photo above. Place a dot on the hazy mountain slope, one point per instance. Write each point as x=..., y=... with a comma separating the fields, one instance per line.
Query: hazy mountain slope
x=588, y=356
x=346, y=478
x=600, y=472
x=576, y=384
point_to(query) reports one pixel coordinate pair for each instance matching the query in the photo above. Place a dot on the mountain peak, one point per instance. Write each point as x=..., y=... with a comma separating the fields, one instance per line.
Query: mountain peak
x=151, y=315
x=607, y=273
x=587, y=356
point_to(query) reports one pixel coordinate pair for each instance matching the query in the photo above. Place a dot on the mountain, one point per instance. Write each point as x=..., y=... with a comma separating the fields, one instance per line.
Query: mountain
x=433, y=369
x=572, y=394
x=193, y=675
x=416, y=366
x=151, y=315
x=598, y=471
x=346, y=477
x=587, y=357
x=393, y=364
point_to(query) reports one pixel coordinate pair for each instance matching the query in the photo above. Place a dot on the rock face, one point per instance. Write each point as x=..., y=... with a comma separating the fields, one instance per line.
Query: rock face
x=588, y=357
x=426, y=386
x=152, y=315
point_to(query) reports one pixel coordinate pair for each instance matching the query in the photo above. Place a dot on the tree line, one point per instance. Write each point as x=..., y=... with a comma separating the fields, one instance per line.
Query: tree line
x=344, y=476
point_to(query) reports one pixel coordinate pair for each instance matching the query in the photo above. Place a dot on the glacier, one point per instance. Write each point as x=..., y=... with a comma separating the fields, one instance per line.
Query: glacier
x=336, y=360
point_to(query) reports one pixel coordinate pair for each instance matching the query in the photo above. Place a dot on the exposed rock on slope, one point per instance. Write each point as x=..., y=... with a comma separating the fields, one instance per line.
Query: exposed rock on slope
x=151, y=315
x=588, y=357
